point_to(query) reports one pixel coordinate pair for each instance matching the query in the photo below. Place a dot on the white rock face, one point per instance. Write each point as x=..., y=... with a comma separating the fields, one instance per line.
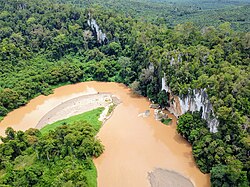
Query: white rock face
x=172, y=62
x=193, y=102
x=100, y=35
x=164, y=84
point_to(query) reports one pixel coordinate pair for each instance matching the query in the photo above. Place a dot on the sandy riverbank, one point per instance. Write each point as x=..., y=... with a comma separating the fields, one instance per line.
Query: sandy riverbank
x=76, y=106
x=165, y=178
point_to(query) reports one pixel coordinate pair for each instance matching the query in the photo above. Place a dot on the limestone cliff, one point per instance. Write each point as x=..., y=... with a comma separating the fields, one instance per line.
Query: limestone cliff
x=101, y=37
x=195, y=101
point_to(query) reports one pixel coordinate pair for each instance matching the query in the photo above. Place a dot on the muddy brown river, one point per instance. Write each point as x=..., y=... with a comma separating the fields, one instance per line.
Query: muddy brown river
x=134, y=146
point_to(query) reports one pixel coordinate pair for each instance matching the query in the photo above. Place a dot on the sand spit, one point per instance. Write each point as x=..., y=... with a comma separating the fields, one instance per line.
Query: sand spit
x=76, y=106
x=165, y=178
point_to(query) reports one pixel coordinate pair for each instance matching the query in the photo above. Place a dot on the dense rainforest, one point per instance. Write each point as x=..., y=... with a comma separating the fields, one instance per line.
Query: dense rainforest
x=172, y=12
x=44, y=44
x=62, y=157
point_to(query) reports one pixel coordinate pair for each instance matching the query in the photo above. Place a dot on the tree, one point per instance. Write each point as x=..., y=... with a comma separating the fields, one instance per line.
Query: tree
x=162, y=98
x=229, y=175
x=113, y=48
x=135, y=86
x=184, y=126
x=3, y=111
x=10, y=134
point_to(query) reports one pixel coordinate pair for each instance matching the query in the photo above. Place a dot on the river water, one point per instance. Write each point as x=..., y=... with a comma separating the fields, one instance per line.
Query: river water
x=134, y=146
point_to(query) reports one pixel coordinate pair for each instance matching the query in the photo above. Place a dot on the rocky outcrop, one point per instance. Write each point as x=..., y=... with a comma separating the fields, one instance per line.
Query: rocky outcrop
x=154, y=106
x=159, y=115
x=144, y=114
x=101, y=37
x=197, y=100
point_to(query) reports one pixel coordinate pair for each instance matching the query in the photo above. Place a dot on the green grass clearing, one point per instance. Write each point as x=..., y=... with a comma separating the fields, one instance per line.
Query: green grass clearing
x=91, y=175
x=111, y=109
x=166, y=121
x=91, y=117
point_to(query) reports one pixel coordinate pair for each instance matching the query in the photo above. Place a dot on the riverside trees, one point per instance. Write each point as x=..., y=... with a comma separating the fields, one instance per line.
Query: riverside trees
x=222, y=155
x=57, y=158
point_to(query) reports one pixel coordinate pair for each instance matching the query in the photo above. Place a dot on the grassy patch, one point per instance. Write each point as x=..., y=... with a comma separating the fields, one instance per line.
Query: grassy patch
x=91, y=175
x=166, y=121
x=90, y=117
x=111, y=109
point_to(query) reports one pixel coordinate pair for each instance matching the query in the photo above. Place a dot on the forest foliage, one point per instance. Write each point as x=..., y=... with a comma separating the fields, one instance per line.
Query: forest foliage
x=224, y=155
x=62, y=157
x=173, y=12
x=44, y=45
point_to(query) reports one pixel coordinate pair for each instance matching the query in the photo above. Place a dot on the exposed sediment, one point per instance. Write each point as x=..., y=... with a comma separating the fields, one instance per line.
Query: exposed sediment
x=165, y=178
x=76, y=106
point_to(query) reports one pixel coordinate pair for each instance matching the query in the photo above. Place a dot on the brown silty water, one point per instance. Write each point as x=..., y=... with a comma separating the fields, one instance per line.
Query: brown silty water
x=134, y=145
